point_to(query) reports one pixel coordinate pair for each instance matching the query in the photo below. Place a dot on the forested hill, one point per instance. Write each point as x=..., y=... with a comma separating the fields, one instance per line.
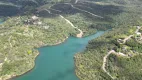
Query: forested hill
x=29, y=24
x=13, y=7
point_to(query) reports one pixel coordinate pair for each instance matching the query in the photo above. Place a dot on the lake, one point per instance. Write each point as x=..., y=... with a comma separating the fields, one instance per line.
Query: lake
x=57, y=62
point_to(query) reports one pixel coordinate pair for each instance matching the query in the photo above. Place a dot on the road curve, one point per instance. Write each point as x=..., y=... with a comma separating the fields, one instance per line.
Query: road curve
x=81, y=32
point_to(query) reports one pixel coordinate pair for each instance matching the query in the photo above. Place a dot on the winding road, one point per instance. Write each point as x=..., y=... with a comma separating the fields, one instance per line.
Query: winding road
x=84, y=10
x=127, y=38
x=116, y=53
x=81, y=32
x=105, y=60
x=68, y=21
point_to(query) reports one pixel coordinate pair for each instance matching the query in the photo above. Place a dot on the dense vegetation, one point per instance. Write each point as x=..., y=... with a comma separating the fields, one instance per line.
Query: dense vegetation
x=89, y=63
x=20, y=35
x=18, y=42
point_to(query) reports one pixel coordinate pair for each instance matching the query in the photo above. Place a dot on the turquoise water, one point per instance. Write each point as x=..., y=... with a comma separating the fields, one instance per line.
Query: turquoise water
x=1, y=22
x=56, y=62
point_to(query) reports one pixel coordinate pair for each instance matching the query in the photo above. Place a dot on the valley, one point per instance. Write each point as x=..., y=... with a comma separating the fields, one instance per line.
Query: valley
x=105, y=36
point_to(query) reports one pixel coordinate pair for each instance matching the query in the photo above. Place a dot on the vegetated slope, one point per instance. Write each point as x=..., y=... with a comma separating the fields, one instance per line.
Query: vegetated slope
x=21, y=7
x=19, y=39
x=90, y=17
x=8, y=9
x=21, y=33
x=89, y=63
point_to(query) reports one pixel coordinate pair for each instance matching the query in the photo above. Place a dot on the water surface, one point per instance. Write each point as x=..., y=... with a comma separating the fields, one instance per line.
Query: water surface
x=1, y=22
x=56, y=62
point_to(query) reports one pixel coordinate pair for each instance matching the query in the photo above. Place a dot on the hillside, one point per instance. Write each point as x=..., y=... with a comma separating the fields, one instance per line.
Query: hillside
x=106, y=58
x=30, y=24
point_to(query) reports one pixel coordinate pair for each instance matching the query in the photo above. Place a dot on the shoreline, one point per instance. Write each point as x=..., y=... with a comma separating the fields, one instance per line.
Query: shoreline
x=57, y=43
x=39, y=46
x=11, y=77
x=76, y=67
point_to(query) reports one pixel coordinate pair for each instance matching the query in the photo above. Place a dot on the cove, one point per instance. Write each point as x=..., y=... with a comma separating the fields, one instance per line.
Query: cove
x=57, y=62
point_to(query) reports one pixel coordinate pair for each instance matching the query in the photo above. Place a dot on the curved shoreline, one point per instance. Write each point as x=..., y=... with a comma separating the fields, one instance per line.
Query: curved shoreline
x=13, y=77
x=76, y=67
x=43, y=45
x=9, y=77
x=39, y=46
